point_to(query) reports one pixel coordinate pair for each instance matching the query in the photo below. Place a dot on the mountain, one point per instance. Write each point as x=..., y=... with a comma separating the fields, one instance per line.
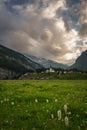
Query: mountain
x=46, y=63
x=81, y=62
x=16, y=62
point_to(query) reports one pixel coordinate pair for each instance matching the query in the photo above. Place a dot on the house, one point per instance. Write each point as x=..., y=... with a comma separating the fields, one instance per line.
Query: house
x=50, y=70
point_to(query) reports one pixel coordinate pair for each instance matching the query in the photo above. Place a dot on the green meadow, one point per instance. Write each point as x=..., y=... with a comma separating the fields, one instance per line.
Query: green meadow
x=43, y=105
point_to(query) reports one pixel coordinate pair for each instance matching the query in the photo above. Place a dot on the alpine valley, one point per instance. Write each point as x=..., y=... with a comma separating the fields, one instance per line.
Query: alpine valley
x=13, y=64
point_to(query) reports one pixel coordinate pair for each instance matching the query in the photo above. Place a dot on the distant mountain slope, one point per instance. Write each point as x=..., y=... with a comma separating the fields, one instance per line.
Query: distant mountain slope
x=12, y=60
x=47, y=63
x=81, y=62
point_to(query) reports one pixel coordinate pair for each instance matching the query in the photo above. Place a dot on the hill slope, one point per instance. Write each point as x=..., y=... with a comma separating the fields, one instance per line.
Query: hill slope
x=81, y=62
x=15, y=61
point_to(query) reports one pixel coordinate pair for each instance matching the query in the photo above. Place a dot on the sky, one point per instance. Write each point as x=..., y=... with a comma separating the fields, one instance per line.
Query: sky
x=53, y=29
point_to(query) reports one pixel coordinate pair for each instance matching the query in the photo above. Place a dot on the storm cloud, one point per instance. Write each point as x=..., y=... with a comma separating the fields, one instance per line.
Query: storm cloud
x=53, y=29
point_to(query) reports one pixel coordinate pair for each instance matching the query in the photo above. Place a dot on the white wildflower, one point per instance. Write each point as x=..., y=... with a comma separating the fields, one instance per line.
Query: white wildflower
x=65, y=108
x=12, y=103
x=56, y=100
x=59, y=114
x=26, y=111
x=47, y=100
x=47, y=110
x=5, y=99
x=1, y=101
x=52, y=116
x=36, y=100
x=66, y=121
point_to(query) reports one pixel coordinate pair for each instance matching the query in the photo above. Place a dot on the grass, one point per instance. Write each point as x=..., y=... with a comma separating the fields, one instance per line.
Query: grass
x=33, y=105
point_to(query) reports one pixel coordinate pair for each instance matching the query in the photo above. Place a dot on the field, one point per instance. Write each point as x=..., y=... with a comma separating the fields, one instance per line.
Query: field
x=43, y=105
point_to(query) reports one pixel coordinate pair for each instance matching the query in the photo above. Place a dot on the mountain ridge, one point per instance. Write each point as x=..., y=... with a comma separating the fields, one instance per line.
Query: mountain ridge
x=47, y=63
x=81, y=62
x=15, y=61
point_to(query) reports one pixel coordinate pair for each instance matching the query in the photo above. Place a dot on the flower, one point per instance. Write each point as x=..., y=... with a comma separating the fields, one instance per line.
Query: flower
x=26, y=111
x=47, y=100
x=52, y=116
x=5, y=99
x=12, y=103
x=59, y=114
x=56, y=100
x=36, y=100
x=66, y=121
x=1, y=101
x=65, y=108
x=47, y=110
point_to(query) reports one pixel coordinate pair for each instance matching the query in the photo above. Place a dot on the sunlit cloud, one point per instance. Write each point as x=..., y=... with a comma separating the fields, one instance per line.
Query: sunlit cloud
x=53, y=29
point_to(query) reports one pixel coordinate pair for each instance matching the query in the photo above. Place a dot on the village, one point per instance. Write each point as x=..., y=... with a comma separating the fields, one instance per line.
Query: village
x=54, y=73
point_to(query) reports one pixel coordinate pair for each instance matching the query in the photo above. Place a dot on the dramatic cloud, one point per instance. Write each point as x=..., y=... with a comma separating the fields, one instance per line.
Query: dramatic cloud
x=53, y=29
